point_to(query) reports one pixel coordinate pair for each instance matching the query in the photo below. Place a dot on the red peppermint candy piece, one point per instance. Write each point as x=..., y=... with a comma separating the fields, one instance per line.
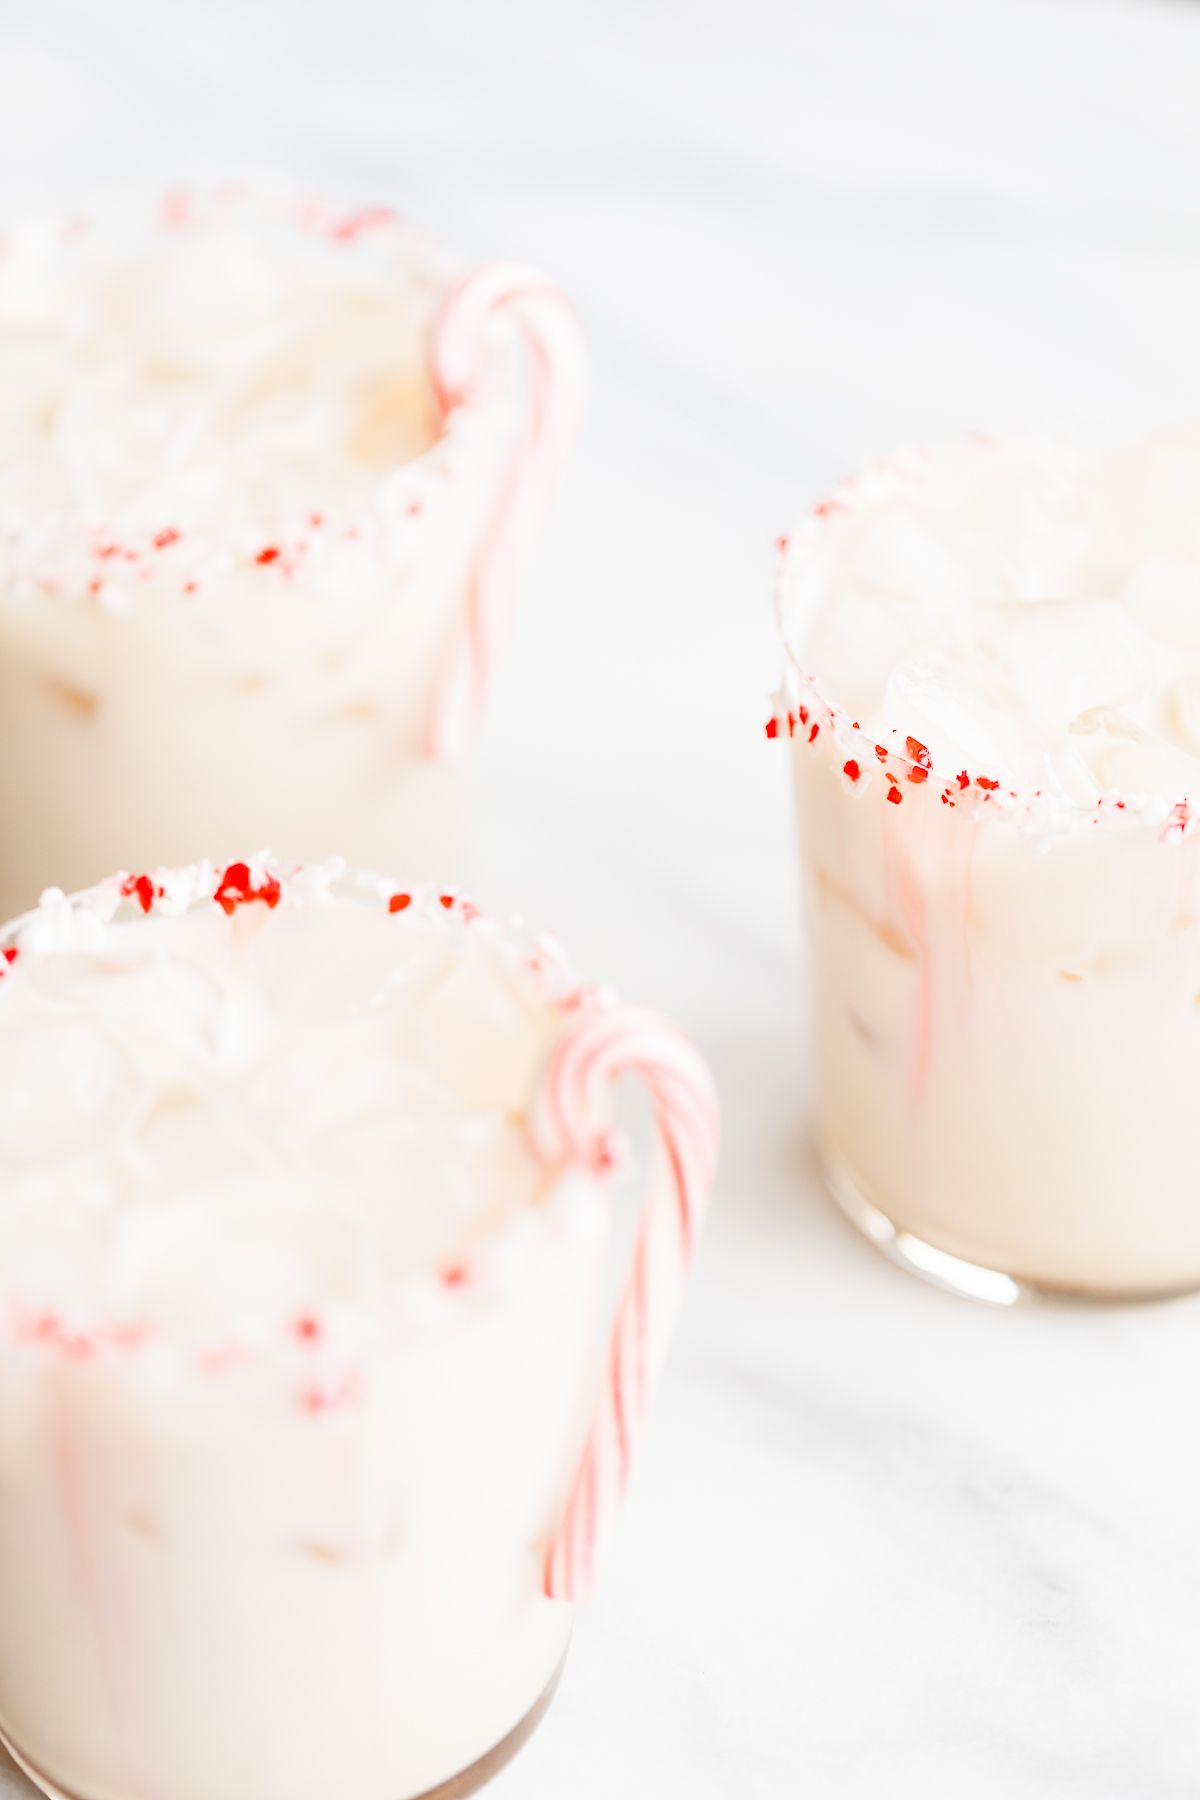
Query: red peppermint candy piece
x=236, y=888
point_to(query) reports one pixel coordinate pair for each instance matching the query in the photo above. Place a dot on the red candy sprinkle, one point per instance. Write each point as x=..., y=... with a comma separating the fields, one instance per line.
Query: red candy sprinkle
x=48, y=1328
x=141, y=889
x=237, y=889
x=346, y=1392
x=268, y=554
x=355, y=223
x=922, y=761
x=881, y=753
x=964, y=780
x=456, y=1275
x=772, y=728
x=447, y=900
x=985, y=781
x=307, y=1329
x=895, y=796
x=164, y=539
x=813, y=733
x=9, y=953
x=399, y=903
x=175, y=209
x=851, y=769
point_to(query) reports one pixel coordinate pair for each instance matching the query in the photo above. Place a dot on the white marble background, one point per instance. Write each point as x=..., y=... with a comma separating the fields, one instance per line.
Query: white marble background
x=883, y=1544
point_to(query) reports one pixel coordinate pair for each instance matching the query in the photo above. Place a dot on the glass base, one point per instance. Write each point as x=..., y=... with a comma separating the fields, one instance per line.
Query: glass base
x=468, y=1781
x=953, y=1274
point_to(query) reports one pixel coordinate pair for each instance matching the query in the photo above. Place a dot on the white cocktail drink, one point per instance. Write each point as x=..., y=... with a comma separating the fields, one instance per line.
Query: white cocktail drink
x=268, y=472
x=300, y=1330
x=993, y=702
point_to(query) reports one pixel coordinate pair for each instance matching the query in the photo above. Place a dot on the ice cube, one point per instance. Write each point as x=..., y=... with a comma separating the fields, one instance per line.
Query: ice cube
x=1060, y=658
x=1183, y=713
x=168, y=1010
x=64, y=1087
x=1163, y=598
x=957, y=707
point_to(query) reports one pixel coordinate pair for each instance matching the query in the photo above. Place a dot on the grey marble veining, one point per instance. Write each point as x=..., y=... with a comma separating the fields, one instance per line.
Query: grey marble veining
x=882, y=1543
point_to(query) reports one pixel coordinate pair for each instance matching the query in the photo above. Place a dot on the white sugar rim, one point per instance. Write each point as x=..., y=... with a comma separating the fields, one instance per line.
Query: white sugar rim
x=801, y=705
x=422, y=1299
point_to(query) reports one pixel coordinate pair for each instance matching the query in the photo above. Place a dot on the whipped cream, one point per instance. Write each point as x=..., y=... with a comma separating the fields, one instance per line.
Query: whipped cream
x=212, y=1122
x=1031, y=614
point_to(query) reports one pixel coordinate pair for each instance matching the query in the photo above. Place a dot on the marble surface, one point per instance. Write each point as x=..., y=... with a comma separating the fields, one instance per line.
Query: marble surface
x=882, y=1542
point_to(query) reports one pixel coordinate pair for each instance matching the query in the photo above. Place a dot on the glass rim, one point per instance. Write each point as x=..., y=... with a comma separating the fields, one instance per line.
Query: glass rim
x=474, y=419
x=423, y=1298
x=805, y=712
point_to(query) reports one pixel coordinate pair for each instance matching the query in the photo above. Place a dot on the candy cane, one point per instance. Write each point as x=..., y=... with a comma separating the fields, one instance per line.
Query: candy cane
x=556, y=367
x=597, y=1047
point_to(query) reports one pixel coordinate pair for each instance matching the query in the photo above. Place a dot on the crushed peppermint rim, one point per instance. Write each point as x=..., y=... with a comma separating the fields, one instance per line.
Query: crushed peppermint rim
x=322, y=1344
x=892, y=769
x=69, y=553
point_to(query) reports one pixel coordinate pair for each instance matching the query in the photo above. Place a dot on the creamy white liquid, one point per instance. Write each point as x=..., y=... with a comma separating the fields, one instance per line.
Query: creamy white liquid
x=994, y=658
x=296, y=1343
x=236, y=538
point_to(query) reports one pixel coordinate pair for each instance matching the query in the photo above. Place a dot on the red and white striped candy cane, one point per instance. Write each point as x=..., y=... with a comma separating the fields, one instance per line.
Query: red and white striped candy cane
x=556, y=376
x=596, y=1047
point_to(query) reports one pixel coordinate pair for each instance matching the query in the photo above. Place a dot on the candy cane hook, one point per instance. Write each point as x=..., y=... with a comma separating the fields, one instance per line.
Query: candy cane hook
x=554, y=350
x=596, y=1048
